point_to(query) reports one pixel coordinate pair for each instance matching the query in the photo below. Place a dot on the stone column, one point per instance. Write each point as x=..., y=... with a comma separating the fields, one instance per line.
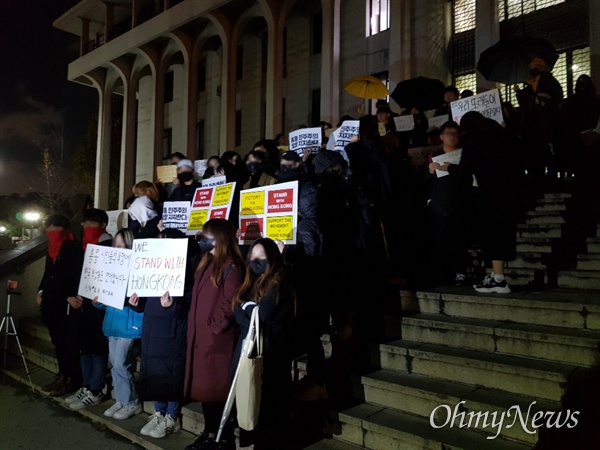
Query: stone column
x=487, y=33
x=190, y=105
x=136, y=5
x=274, y=91
x=330, y=62
x=158, y=116
x=228, y=94
x=127, y=169
x=102, y=176
x=594, y=12
x=85, y=35
x=109, y=20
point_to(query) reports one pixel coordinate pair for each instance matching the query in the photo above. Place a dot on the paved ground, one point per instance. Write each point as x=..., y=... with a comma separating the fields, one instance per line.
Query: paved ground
x=29, y=421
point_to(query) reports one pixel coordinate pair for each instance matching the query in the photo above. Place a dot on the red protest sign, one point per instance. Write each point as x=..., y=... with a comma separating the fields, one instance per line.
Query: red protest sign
x=280, y=201
x=218, y=213
x=202, y=198
x=251, y=229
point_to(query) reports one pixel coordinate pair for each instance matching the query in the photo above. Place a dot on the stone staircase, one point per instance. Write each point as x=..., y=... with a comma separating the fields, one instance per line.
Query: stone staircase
x=490, y=352
x=41, y=360
x=586, y=273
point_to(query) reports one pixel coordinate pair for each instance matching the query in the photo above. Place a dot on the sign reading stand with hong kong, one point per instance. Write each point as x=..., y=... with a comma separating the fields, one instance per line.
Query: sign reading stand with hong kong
x=210, y=202
x=270, y=211
x=105, y=274
x=157, y=266
x=488, y=104
x=306, y=139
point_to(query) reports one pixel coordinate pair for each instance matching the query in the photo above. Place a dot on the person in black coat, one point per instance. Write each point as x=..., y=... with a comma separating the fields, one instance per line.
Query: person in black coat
x=164, y=344
x=450, y=95
x=143, y=212
x=488, y=155
x=268, y=287
x=187, y=183
x=57, y=298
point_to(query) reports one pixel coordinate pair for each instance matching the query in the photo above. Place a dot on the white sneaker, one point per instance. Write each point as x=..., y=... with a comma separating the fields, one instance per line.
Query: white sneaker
x=167, y=425
x=77, y=396
x=152, y=423
x=110, y=412
x=88, y=400
x=127, y=411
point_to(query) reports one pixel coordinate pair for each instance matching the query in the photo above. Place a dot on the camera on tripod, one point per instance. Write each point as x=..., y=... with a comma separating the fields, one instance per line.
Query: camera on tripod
x=12, y=286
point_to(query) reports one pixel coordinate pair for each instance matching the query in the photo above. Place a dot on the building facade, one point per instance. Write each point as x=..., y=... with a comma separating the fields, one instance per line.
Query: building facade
x=205, y=76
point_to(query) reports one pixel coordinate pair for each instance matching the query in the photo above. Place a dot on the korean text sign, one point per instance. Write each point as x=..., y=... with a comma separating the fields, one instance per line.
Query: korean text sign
x=105, y=274
x=210, y=202
x=158, y=266
x=345, y=133
x=306, y=138
x=270, y=211
x=487, y=103
x=176, y=215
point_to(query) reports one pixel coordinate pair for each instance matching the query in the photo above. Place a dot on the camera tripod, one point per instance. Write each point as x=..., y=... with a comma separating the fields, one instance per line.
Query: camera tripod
x=8, y=324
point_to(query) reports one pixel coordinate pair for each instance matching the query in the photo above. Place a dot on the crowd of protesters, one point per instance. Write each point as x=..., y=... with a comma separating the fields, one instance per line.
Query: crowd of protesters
x=366, y=218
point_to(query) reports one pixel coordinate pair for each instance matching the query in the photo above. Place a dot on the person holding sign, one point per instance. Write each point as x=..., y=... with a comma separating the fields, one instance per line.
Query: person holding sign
x=57, y=299
x=256, y=163
x=122, y=327
x=164, y=344
x=212, y=333
x=93, y=346
x=187, y=183
x=267, y=286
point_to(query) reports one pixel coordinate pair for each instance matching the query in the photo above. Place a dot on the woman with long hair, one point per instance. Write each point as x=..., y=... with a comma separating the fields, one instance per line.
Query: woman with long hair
x=212, y=333
x=268, y=287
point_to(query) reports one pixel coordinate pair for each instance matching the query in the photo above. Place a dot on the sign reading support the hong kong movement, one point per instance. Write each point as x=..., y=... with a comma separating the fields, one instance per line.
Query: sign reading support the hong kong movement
x=270, y=211
x=487, y=103
x=176, y=215
x=105, y=274
x=306, y=138
x=158, y=266
x=211, y=202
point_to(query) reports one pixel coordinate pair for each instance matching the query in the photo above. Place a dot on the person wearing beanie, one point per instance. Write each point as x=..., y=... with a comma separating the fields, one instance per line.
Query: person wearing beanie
x=187, y=182
x=93, y=345
x=60, y=307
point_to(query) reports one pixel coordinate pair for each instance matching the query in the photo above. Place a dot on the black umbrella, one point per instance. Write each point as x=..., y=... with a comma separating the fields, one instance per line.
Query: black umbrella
x=421, y=92
x=507, y=61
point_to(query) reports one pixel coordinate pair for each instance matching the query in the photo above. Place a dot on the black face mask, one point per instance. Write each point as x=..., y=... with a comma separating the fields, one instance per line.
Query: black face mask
x=206, y=244
x=259, y=266
x=534, y=72
x=254, y=168
x=287, y=173
x=184, y=177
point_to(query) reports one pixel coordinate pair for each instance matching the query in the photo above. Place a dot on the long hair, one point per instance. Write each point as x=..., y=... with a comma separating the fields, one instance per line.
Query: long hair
x=127, y=236
x=226, y=249
x=146, y=188
x=273, y=277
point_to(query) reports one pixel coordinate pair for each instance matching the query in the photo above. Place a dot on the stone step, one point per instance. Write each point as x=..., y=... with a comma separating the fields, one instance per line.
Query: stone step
x=553, y=307
x=331, y=444
x=526, y=260
x=36, y=351
x=533, y=245
x=593, y=245
x=588, y=262
x=550, y=206
x=522, y=276
x=539, y=231
x=33, y=326
x=192, y=418
x=533, y=341
x=377, y=428
x=557, y=195
x=579, y=279
x=421, y=396
x=545, y=220
x=513, y=374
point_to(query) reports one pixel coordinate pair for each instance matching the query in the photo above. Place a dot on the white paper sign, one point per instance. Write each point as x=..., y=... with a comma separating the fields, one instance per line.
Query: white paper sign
x=404, y=123
x=487, y=103
x=447, y=158
x=345, y=133
x=306, y=138
x=116, y=220
x=176, y=215
x=438, y=121
x=105, y=274
x=200, y=166
x=214, y=181
x=158, y=266
x=210, y=202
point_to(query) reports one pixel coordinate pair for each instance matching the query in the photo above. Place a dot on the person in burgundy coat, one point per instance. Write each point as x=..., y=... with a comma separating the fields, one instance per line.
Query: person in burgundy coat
x=212, y=332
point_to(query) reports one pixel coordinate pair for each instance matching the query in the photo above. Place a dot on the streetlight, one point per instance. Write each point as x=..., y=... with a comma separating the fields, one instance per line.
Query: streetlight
x=32, y=218
x=2, y=229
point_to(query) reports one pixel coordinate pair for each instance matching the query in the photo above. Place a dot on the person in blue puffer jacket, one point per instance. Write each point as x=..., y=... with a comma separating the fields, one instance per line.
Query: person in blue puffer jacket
x=122, y=327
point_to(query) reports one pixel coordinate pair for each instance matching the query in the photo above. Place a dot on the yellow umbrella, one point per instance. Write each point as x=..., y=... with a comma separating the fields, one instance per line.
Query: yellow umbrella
x=366, y=86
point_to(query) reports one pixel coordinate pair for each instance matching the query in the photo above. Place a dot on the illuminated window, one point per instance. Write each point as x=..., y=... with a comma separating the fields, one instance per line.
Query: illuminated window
x=580, y=63
x=466, y=81
x=464, y=15
x=508, y=9
x=379, y=12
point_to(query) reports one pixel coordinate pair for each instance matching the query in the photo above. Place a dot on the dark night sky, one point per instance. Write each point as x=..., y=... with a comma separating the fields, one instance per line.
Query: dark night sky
x=34, y=90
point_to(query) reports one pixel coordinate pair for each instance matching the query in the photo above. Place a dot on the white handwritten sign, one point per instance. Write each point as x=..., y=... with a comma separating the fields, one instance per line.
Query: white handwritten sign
x=404, y=123
x=438, y=121
x=447, y=158
x=306, y=138
x=116, y=220
x=105, y=274
x=214, y=181
x=487, y=103
x=200, y=166
x=176, y=215
x=158, y=266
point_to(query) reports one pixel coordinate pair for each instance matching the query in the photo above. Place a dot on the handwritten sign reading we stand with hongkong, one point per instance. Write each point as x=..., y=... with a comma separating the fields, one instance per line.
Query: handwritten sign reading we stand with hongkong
x=270, y=211
x=157, y=266
x=210, y=202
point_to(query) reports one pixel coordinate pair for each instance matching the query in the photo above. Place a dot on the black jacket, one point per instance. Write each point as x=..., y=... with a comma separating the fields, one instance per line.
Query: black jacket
x=185, y=193
x=447, y=194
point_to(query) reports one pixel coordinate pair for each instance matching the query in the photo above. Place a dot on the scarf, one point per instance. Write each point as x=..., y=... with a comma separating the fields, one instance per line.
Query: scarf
x=142, y=210
x=91, y=235
x=56, y=239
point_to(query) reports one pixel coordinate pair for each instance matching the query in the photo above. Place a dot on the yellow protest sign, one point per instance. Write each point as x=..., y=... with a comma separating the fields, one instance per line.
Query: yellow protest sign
x=280, y=227
x=198, y=218
x=165, y=174
x=222, y=195
x=252, y=203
